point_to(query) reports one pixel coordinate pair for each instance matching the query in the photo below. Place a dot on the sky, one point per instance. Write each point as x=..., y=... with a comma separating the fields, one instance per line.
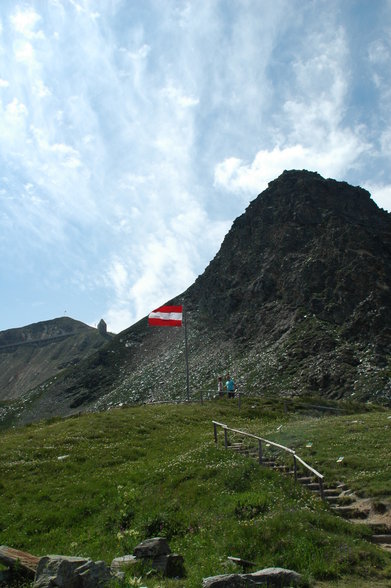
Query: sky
x=134, y=132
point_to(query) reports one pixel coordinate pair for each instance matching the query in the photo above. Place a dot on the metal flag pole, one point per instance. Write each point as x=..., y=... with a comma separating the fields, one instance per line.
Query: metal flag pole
x=186, y=355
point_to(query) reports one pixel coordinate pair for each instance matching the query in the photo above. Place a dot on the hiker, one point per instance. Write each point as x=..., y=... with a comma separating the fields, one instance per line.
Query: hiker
x=230, y=385
x=220, y=387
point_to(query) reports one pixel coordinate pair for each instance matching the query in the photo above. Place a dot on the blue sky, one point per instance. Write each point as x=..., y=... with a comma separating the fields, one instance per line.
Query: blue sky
x=133, y=133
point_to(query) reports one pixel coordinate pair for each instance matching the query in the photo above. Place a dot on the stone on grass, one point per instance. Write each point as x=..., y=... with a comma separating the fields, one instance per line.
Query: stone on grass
x=276, y=577
x=58, y=570
x=226, y=581
x=124, y=562
x=170, y=565
x=151, y=548
x=94, y=574
x=271, y=577
x=71, y=572
x=158, y=554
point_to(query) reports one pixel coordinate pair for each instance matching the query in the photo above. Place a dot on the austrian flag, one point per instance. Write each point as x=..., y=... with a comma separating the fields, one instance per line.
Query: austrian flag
x=166, y=316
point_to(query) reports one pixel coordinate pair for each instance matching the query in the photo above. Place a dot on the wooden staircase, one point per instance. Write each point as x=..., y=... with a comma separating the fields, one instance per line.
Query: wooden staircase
x=343, y=501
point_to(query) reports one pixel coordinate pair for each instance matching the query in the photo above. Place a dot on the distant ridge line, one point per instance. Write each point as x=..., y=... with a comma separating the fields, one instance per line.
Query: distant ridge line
x=35, y=341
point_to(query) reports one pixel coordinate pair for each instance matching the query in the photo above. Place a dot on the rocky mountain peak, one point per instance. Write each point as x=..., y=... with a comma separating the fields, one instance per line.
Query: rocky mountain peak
x=305, y=244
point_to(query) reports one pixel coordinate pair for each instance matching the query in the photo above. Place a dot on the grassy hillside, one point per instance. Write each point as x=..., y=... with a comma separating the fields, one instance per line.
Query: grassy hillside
x=98, y=484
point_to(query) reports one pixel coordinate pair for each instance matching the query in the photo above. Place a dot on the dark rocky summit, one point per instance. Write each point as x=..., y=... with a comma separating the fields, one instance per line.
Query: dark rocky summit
x=297, y=301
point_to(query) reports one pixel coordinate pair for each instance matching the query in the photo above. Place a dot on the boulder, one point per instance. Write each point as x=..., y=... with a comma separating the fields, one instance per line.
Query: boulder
x=170, y=565
x=58, y=570
x=151, y=548
x=158, y=553
x=71, y=572
x=94, y=574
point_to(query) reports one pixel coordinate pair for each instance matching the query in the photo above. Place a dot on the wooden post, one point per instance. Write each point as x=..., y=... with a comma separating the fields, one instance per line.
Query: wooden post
x=215, y=432
x=225, y=438
x=186, y=356
x=259, y=451
x=295, y=467
x=321, y=488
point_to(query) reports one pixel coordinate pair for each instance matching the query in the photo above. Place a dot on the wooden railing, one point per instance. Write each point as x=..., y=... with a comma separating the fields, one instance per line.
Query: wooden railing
x=267, y=442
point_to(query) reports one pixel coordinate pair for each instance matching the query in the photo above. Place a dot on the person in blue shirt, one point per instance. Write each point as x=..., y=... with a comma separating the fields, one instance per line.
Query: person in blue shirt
x=230, y=385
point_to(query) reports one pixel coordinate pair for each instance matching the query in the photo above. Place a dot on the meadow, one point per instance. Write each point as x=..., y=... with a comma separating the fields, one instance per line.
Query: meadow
x=98, y=484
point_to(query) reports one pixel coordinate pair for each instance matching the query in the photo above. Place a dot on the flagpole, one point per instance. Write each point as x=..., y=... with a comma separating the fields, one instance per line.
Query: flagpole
x=186, y=355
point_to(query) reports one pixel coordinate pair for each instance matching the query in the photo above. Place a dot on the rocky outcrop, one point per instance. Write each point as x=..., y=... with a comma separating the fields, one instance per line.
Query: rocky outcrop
x=102, y=327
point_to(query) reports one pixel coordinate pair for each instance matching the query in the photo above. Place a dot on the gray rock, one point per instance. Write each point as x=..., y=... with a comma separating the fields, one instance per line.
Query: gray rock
x=151, y=548
x=71, y=572
x=275, y=577
x=126, y=561
x=94, y=574
x=270, y=577
x=58, y=570
x=170, y=565
x=226, y=581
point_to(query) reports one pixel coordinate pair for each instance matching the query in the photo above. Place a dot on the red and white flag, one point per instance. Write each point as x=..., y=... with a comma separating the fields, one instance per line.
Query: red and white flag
x=166, y=316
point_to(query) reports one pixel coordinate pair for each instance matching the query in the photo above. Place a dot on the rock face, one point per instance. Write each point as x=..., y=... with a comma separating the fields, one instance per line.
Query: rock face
x=296, y=301
x=305, y=243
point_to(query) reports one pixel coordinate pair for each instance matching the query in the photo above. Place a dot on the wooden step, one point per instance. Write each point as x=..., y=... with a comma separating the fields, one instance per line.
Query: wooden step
x=378, y=528
x=332, y=499
x=346, y=500
x=350, y=512
x=313, y=486
x=331, y=492
x=305, y=480
x=385, y=539
x=342, y=486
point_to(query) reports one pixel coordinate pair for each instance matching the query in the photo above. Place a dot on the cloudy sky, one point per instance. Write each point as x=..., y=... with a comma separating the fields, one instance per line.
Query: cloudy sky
x=133, y=133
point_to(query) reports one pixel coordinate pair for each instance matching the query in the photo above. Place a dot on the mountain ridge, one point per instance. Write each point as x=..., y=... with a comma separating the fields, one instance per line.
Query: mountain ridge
x=30, y=355
x=296, y=301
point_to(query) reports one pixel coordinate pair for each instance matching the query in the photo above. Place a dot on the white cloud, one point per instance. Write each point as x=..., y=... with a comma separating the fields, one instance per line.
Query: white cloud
x=24, y=52
x=16, y=108
x=40, y=89
x=118, y=318
x=24, y=22
x=178, y=97
x=4, y=83
x=332, y=159
x=309, y=131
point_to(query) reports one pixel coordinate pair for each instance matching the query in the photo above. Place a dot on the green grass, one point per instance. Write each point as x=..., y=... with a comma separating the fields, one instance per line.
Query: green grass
x=99, y=484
